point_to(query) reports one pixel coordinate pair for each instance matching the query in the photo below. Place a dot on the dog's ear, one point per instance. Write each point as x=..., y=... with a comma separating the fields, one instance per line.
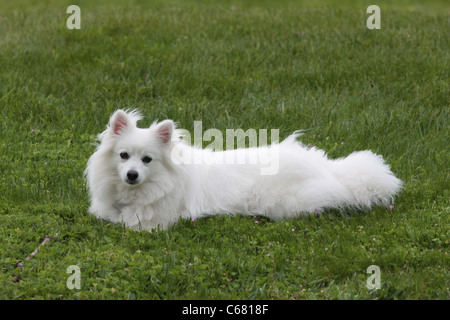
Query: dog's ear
x=119, y=121
x=122, y=120
x=165, y=129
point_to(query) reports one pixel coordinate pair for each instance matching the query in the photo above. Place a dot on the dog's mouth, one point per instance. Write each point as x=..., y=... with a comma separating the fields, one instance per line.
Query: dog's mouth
x=132, y=182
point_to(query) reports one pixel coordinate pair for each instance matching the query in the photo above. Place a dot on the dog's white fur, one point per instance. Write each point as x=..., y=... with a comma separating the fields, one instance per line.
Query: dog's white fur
x=146, y=195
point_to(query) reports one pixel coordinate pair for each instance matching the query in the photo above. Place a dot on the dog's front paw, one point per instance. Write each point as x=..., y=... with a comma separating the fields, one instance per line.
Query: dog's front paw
x=105, y=212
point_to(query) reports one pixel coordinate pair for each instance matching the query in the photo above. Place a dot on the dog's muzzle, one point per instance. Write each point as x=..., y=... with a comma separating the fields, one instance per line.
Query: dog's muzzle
x=132, y=177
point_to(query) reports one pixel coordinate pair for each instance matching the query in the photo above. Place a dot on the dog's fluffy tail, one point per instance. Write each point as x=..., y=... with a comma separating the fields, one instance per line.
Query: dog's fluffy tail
x=368, y=178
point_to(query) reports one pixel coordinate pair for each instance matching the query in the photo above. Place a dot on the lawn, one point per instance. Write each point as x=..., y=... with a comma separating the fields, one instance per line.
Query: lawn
x=286, y=65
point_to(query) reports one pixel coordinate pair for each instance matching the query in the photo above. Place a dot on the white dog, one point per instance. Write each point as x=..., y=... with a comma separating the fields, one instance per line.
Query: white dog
x=138, y=177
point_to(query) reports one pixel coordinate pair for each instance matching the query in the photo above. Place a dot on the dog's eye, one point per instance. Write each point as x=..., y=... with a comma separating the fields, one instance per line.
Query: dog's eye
x=124, y=155
x=146, y=159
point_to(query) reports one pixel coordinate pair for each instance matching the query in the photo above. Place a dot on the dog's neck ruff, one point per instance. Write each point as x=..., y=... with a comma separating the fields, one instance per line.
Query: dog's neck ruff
x=119, y=206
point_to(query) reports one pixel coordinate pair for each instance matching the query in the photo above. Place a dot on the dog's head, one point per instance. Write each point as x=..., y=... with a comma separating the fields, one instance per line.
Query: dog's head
x=139, y=155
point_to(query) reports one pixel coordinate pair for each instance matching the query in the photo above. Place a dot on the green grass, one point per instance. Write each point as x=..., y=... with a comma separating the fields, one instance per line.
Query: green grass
x=256, y=64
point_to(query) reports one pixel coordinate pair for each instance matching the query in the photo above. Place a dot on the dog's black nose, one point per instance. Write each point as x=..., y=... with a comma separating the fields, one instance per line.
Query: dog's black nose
x=132, y=175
